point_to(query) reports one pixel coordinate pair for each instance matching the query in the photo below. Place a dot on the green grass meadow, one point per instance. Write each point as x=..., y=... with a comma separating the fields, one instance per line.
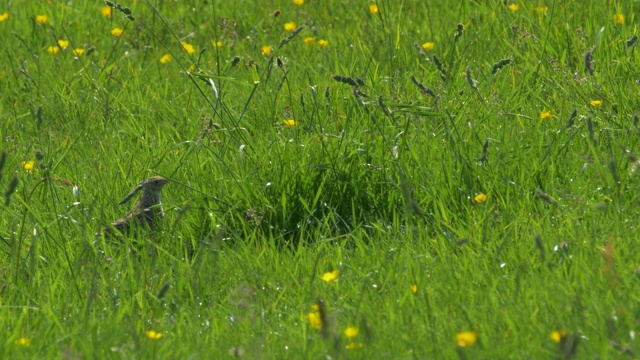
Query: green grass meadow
x=350, y=179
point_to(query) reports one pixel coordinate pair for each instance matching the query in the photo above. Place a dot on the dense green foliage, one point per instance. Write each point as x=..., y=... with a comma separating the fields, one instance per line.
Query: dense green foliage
x=467, y=167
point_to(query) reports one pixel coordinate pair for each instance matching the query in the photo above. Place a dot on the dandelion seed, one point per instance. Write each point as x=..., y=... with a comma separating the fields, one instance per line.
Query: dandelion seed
x=23, y=341
x=78, y=52
x=618, y=19
x=42, y=19
x=153, y=335
x=513, y=7
x=309, y=40
x=298, y=2
x=596, y=103
x=466, y=338
x=351, y=332
x=266, y=50
x=330, y=276
x=480, y=198
x=413, y=288
x=290, y=124
x=557, y=336
x=352, y=346
x=116, y=32
x=290, y=26
x=63, y=44
x=28, y=165
x=545, y=115
x=188, y=48
x=4, y=17
x=323, y=43
x=165, y=59
x=53, y=50
x=106, y=11
x=428, y=46
x=373, y=8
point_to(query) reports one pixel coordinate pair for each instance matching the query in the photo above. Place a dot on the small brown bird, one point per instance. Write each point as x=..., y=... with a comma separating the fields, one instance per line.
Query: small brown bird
x=146, y=211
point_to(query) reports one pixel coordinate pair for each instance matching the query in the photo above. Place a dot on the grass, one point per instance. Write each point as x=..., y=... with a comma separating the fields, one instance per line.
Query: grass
x=286, y=172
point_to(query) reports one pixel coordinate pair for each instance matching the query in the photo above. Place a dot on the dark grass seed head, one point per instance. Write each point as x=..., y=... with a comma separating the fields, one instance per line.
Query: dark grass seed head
x=291, y=36
x=499, y=65
x=572, y=118
x=345, y=80
x=13, y=184
x=588, y=61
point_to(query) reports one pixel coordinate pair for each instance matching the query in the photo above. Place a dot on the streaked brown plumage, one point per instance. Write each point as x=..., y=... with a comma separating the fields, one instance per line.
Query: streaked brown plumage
x=147, y=210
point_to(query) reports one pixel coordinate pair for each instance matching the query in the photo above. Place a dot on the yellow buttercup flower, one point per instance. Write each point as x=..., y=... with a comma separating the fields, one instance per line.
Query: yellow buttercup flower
x=545, y=115
x=116, y=31
x=542, y=9
x=314, y=317
x=53, y=50
x=290, y=26
x=4, y=17
x=42, y=19
x=556, y=336
x=188, y=48
x=63, y=44
x=309, y=40
x=429, y=45
x=414, y=288
x=77, y=52
x=351, y=332
x=219, y=44
x=106, y=11
x=165, y=59
x=352, y=346
x=618, y=19
x=480, y=198
x=153, y=335
x=191, y=68
x=373, y=8
x=23, y=341
x=466, y=338
x=290, y=124
x=28, y=165
x=298, y=2
x=266, y=50
x=596, y=103
x=513, y=7
x=330, y=276
x=323, y=43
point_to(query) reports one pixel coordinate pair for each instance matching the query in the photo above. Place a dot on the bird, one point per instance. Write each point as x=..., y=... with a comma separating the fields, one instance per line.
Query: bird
x=146, y=211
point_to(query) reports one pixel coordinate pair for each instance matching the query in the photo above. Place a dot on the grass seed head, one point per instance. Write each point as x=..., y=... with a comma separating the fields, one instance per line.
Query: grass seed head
x=588, y=61
x=499, y=65
x=13, y=184
x=345, y=80
x=632, y=41
x=572, y=118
